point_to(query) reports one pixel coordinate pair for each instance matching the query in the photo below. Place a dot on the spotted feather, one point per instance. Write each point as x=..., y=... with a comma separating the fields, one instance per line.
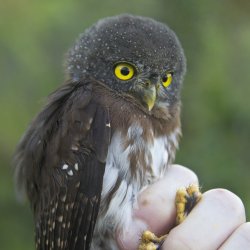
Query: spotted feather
x=65, y=200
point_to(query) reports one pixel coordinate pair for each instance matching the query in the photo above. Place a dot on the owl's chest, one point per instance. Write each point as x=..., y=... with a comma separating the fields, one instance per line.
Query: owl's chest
x=136, y=157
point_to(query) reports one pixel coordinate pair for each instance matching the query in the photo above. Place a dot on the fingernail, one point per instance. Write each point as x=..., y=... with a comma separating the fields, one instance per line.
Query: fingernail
x=129, y=238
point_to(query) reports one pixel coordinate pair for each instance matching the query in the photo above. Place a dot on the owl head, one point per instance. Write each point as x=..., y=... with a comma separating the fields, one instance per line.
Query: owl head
x=133, y=56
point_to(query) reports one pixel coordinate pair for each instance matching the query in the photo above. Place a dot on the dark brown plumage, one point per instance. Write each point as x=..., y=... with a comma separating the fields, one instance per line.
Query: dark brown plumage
x=65, y=200
x=96, y=123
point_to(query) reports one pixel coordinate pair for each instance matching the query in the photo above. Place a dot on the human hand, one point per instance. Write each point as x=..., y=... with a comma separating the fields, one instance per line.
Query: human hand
x=217, y=222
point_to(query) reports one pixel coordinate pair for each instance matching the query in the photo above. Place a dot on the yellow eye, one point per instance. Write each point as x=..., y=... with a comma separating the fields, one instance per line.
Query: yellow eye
x=124, y=71
x=167, y=79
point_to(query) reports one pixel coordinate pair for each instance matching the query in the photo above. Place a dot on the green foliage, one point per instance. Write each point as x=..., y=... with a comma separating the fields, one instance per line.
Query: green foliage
x=215, y=35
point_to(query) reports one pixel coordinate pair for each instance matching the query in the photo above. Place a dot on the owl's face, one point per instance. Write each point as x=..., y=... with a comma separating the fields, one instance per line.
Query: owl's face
x=133, y=56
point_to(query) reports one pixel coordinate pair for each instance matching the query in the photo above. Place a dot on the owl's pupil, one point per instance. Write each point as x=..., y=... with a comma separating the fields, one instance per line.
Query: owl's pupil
x=164, y=78
x=125, y=71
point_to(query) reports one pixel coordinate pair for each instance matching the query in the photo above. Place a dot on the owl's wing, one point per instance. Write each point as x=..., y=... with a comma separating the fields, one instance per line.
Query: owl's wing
x=61, y=161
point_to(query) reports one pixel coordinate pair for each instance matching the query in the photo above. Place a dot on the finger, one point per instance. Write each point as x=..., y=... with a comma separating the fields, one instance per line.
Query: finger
x=240, y=239
x=210, y=223
x=155, y=209
x=156, y=204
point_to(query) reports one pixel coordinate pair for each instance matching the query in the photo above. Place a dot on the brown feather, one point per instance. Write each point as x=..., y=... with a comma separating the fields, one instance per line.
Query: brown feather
x=70, y=130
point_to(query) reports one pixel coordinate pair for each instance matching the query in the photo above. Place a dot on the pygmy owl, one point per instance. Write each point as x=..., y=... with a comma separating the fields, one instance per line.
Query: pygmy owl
x=109, y=131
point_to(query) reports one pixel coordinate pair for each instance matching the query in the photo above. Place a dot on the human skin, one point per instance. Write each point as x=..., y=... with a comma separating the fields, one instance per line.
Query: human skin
x=218, y=221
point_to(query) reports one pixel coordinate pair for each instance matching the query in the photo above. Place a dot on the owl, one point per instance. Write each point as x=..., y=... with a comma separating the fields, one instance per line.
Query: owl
x=108, y=132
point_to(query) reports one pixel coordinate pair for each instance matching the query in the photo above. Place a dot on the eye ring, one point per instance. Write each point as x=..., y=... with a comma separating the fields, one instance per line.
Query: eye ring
x=124, y=71
x=167, y=79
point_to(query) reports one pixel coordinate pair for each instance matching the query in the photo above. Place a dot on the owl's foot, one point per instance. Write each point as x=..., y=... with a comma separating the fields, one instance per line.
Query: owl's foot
x=151, y=242
x=185, y=200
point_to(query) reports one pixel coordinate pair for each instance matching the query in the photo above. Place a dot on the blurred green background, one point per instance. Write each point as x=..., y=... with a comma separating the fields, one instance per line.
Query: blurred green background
x=34, y=36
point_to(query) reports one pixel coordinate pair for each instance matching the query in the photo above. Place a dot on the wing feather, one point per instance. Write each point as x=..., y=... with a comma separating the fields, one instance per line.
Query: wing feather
x=60, y=163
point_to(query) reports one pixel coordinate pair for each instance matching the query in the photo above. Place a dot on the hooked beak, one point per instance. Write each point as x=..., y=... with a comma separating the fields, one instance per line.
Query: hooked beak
x=149, y=97
x=146, y=92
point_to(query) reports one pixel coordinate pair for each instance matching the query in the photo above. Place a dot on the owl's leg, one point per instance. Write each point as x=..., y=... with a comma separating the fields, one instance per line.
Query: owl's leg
x=185, y=200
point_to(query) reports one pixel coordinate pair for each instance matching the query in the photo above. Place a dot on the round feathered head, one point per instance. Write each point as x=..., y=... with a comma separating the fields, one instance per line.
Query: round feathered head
x=132, y=55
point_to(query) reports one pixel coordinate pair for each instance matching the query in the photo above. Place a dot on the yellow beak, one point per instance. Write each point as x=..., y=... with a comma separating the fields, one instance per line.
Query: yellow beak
x=149, y=97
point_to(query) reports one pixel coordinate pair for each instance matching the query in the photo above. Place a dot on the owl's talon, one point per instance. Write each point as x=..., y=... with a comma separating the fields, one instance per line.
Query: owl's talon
x=185, y=200
x=149, y=241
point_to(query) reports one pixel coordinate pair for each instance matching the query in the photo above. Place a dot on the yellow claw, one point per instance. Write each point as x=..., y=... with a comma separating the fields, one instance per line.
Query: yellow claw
x=185, y=200
x=183, y=197
x=149, y=241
